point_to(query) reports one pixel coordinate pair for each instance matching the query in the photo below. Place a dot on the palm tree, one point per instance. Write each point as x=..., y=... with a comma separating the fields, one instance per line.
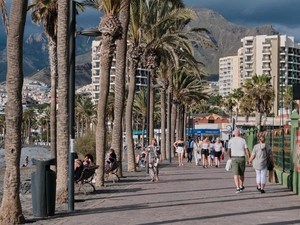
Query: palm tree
x=117, y=135
x=86, y=110
x=29, y=115
x=62, y=113
x=134, y=57
x=111, y=29
x=237, y=95
x=186, y=90
x=3, y=127
x=4, y=14
x=46, y=12
x=246, y=106
x=288, y=100
x=11, y=209
x=229, y=103
x=261, y=93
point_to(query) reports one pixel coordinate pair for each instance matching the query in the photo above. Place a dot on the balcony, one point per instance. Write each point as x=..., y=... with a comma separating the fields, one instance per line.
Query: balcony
x=249, y=53
x=266, y=52
x=266, y=59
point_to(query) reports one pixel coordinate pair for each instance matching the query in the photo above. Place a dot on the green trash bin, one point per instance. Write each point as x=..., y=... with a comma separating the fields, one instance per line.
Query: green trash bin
x=43, y=187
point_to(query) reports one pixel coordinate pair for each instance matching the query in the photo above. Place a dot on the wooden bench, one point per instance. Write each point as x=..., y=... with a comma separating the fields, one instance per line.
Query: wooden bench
x=113, y=172
x=87, y=177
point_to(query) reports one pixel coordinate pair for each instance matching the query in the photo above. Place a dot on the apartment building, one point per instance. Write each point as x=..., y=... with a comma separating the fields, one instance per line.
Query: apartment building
x=277, y=56
x=141, y=74
x=228, y=74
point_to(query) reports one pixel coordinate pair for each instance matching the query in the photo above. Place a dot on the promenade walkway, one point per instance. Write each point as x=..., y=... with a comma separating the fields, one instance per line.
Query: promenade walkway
x=184, y=195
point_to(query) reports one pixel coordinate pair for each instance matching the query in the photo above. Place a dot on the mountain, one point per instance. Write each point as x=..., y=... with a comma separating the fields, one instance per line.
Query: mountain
x=36, y=61
x=225, y=36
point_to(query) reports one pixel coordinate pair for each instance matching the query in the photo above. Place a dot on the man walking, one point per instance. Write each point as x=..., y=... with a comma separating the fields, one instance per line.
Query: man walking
x=189, y=146
x=237, y=149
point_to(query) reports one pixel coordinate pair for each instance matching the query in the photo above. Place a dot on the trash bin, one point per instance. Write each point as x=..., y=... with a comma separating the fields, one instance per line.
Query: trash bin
x=43, y=187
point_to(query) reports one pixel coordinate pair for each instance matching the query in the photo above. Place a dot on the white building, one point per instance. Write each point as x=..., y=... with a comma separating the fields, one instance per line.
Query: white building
x=141, y=74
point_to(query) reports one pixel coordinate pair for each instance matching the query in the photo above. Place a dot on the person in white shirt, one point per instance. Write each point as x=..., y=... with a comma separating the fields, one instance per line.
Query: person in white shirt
x=197, y=150
x=237, y=149
x=219, y=150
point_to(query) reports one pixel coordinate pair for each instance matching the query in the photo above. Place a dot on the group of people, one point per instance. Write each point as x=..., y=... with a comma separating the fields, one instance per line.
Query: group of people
x=80, y=165
x=207, y=151
x=88, y=161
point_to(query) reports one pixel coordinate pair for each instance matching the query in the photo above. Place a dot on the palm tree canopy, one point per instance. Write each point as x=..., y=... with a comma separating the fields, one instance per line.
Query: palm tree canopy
x=4, y=15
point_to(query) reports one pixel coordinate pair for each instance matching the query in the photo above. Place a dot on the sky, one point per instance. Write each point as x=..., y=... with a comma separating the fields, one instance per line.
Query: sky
x=283, y=15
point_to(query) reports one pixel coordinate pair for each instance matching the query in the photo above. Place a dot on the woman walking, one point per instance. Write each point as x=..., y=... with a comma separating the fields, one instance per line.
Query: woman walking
x=179, y=145
x=197, y=150
x=153, y=155
x=204, y=151
x=260, y=154
x=218, y=147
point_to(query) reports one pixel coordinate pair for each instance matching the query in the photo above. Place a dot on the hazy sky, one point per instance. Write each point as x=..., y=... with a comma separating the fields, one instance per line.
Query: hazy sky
x=283, y=15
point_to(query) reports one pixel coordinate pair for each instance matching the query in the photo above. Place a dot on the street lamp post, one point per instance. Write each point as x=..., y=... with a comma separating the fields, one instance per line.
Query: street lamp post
x=148, y=116
x=72, y=47
x=169, y=125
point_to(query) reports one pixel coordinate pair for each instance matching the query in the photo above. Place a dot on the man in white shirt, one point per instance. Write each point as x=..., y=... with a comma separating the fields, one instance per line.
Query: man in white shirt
x=237, y=149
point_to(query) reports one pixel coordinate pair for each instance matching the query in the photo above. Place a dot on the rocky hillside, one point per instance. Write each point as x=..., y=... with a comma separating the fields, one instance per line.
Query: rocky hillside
x=226, y=37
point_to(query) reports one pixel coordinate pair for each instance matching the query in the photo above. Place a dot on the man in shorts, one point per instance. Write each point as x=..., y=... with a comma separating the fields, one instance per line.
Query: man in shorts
x=237, y=149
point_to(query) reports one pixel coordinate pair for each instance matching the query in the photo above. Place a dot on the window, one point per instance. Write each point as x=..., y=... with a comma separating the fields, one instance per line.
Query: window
x=211, y=121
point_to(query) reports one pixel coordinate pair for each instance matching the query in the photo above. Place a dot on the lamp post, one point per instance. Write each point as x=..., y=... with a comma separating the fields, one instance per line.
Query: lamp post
x=148, y=116
x=169, y=126
x=72, y=55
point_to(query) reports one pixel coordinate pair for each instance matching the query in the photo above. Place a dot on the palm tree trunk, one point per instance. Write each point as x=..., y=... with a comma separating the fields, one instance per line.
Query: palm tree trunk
x=107, y=50
x=11, y=209
x=117, y=135
x=52, y=45
x=128, y=115
x=63, y=87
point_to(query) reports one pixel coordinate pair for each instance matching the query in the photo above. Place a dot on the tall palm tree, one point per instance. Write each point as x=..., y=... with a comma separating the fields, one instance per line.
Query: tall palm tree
x=3, y=126
x=111, y=29
x=238, y=95
x=261, y=93
x=4, y=14
x=117, y=135
x=186, y=90
x=87, y=110
x=11, y=210
x=134, y=57
x=63, y=93
x=46, y=12
x=29, y=115
x=229, y=103
x=246, y=107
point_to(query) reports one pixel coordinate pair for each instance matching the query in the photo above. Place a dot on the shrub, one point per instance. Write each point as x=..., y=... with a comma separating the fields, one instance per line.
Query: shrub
x=86, y=144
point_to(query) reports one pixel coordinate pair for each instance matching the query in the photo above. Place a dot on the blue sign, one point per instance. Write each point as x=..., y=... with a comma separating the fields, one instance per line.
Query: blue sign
x=138, y=132
x=202, y=131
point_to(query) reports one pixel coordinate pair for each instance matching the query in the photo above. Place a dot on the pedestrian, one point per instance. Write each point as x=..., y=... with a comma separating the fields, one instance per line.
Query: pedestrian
x=211, y=153
x=154, y=156
x=260, y=154
x=197, y=150
x=204, y=151
x=25, y=164
x=189, y=146
x=237, y=149
x=179, y=146
x=219, y=150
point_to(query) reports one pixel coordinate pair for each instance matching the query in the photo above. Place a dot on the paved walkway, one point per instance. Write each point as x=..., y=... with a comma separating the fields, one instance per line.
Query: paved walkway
x=184, y=195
